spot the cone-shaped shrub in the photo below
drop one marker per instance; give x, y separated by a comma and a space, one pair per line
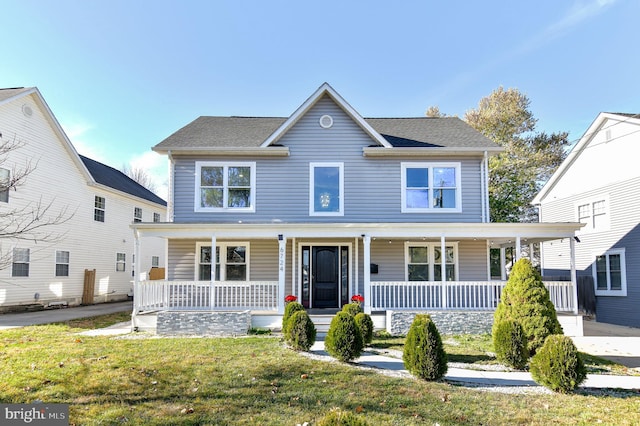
301, 331
352, 309
289, 309
365, 324
525, 299
510, 344
341, 418
424, 355
557, 365
343, 340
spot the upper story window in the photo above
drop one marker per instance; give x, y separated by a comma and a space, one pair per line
20, 262
137, 214
156, 217
424, 262
62, 263
594, 214
99, 208
233, 267
326, 189
121, 262
609, 273
5, 176
225, 186
431, 187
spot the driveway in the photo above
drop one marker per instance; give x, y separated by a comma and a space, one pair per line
613, 342
48, 316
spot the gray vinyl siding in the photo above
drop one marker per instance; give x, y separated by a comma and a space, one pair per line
372, 185
624, 232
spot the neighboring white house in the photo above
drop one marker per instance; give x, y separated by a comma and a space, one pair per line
95, 202
599, 185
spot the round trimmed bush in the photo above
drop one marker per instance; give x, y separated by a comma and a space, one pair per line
424, 355
343, 340
289, 309
510, 344
525, 299
365, 324
301, 331
341, 418
557, 365
352, 309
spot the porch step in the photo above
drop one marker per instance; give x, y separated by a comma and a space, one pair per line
322, 322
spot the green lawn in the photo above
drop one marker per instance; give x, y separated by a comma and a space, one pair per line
252, 380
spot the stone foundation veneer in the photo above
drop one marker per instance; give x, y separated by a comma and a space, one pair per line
447, 322
193, 323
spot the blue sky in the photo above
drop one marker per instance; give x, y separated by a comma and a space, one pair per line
120, 76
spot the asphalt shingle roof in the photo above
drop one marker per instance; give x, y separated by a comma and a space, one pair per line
115, 179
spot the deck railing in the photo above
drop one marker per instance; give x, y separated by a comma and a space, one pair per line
461, 295
198, 295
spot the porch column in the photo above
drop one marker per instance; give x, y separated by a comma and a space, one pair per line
443, 273
503, 264
518, 244
282, 251
366, 242
574, 280
212, 280
137, 293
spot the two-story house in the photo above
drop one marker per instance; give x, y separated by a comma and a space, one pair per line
325, 204
598, 185
64, 229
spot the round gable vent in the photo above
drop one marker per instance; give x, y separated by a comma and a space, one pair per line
27, 111
326, 121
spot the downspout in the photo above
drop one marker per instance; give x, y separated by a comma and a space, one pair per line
483, 198
170, 189
485, 193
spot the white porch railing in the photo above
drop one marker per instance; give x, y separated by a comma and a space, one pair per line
198, 295
461, 295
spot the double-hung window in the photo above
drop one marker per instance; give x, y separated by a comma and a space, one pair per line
62, 263
609, 273
5, 181
225, 186
20, 262
424, 261
99, 208
121, 262
594, 214
233, 265
431, 188
137, 214
326, 189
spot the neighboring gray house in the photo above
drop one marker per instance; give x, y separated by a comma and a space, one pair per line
325, 205
599, 185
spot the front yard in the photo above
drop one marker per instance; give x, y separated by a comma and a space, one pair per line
256, 380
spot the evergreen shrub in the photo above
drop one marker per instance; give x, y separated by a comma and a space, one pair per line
365, 324
510, 344
352, 309
301, 331
557, 365
343, 340
525, 299
289, 309
424, 355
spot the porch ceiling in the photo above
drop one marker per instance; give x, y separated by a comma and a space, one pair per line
499, 234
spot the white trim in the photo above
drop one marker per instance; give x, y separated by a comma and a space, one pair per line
606, 220
326, 121
623, 273
312, 194
431, 260
197, 207
223, 266
430, 166
444, 151
55, 261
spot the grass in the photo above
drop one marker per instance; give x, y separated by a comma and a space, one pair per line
252, 380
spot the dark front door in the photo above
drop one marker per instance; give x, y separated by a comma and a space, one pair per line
325, 276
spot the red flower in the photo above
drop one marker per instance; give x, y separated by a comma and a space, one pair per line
357, 298
290, 298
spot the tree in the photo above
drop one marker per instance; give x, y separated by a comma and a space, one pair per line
529, 157
31, 221
139, 175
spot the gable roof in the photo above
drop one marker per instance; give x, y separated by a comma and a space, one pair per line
9, 93
580, 146
115, 179
251, 133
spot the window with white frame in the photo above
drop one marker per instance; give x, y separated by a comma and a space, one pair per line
156, 217
99, 209
594, 214
137, 214
20, 262
431, 187
121, 262
232, 266
424, 262
326, 189
155, 261
5, 176
225, 186
62, 263
609, 273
